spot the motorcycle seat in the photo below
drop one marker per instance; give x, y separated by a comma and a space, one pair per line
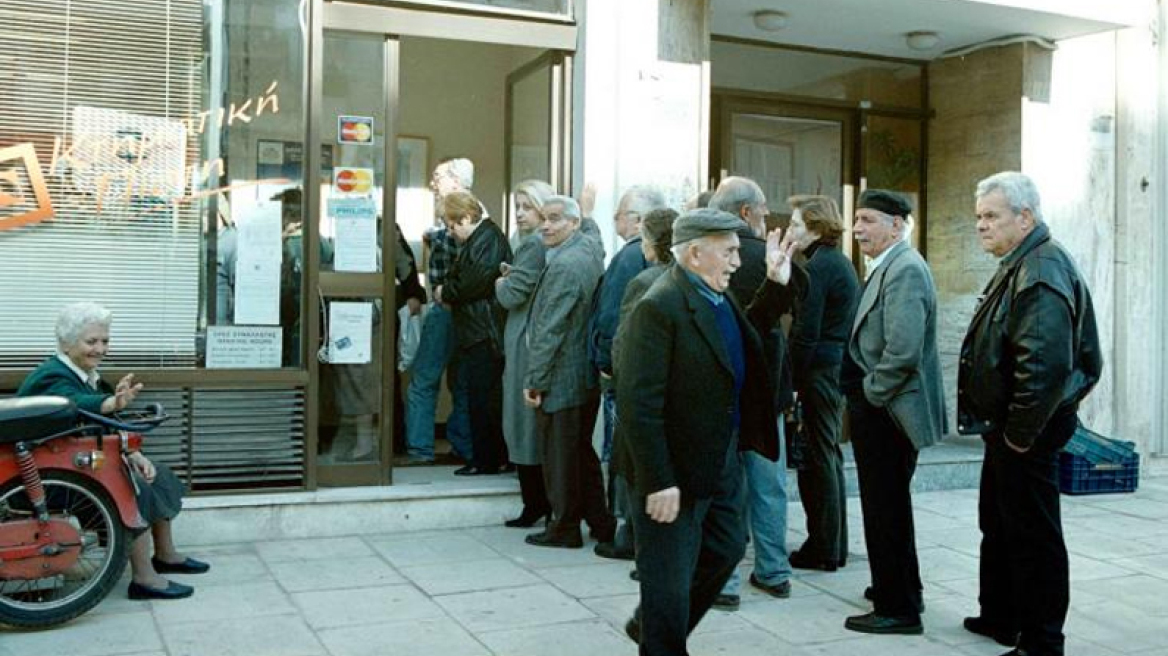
32, 417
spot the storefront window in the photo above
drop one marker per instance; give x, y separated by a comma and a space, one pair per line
558, 7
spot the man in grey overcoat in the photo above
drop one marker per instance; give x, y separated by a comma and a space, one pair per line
892, 377
559, 383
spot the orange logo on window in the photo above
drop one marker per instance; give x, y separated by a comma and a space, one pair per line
15, 208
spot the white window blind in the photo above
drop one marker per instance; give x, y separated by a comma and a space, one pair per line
104, 91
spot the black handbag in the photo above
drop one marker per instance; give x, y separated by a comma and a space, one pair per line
794, 439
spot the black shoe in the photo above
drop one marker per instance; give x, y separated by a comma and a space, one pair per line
610, 550
171, 591
526, 519
1017, 652
999, 634
800, 560
727, 602
188, 566
634, 574
633, 630
870, 596
471, 470
780, 590
560, 539
507, 468
605, 533
879, 624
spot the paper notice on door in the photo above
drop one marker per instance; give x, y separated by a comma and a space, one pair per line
355, 221
257, 265
350, 332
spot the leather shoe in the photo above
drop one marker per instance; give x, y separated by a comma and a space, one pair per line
633, 630
188, 566
727, 602
802, 560
879, 624
561, 539
870, 595
471, 470
781, 590
526, 519
171, 591
634, 574
1017, 652
999, 634
610, 550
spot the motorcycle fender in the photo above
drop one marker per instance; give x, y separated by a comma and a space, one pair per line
112, 475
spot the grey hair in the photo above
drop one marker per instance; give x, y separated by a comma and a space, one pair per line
907, 221
571, 207
461, 169
1020, 191
737, 192
679, 250
76, 317
644, 199
537, 191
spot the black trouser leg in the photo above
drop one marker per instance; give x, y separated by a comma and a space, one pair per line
484, 380
1026, 547
885, 463
594, 506
822, 487
533, 491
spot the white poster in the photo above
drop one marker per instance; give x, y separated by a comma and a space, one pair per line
257, 265
243, 347
355, 221
350, 332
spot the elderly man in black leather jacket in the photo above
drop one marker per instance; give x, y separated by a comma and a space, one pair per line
1030, 356
478, 324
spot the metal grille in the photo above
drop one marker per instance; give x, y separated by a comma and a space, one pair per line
101, 89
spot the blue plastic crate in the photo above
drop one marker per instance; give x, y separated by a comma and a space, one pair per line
1078, 475
1098, 449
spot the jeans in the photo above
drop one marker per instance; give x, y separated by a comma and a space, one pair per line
434, 351
765, 483
608, 406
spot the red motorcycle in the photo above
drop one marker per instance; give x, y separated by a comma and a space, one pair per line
67, 506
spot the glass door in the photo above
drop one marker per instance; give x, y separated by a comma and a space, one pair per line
537, 124
355, 336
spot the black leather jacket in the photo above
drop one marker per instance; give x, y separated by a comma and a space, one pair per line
470, 287
1032, 349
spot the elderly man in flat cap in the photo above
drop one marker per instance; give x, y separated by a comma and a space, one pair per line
694, 385
892, 378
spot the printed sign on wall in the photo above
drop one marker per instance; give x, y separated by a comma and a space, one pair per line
356, 130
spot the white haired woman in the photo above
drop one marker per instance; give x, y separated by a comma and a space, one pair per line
82, 342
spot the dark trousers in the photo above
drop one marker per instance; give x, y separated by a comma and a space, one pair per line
482, 368
885, 462
1024, 572
822, 486
571, 469
684, 564
533, 491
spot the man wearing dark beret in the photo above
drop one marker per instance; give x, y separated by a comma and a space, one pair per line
694, 395
892, 378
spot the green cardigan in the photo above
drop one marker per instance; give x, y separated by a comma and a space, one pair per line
55, 378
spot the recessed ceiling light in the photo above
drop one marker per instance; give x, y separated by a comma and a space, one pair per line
769, 20
922, 40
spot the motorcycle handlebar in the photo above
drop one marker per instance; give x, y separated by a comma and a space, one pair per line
141, 422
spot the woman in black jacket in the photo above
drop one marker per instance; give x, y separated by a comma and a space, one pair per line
823, 323
478, 323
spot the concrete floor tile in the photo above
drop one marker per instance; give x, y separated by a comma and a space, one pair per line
540, 557
892, 645
846, 584
966, 540
339, 548
283, 635
1154, 565
745, 642
437, 549
927, 520
225, 602
1090, 569
469, 576
229, 569
1118, 625
806, 620
1142, 592
602, 578
428, 637
943, 564
513, 608
88, 635
362, 572
589, 638
968, 588
1086, 540
393, 603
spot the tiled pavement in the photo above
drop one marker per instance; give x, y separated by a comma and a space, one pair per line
482, 591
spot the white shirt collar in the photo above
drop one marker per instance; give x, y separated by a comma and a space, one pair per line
88, 377
875, 262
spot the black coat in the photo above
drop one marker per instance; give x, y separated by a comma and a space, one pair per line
1032, 348
824, 317
675, 394
470, 287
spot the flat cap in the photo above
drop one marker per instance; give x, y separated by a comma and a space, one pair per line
699, 223
882, 200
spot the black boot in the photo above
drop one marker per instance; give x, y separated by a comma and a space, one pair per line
534, 494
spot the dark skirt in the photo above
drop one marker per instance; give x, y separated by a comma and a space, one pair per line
162, 499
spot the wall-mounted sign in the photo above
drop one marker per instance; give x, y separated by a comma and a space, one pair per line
355, 219
16, 207
243, 347
350, 181
355, 130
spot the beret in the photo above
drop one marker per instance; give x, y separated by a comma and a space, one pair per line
699, 223
882, 200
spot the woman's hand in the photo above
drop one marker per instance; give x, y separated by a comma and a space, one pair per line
779, 250
143, 466
124, 394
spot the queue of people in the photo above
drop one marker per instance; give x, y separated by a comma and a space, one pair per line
677, 344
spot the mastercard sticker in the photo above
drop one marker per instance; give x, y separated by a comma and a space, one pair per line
355, 130
353, 181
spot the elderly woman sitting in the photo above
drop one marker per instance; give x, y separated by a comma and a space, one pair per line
82, 340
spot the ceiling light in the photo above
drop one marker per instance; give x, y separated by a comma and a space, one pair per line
922, 40
770, 21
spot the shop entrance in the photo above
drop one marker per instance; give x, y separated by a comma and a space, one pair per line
398, 91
